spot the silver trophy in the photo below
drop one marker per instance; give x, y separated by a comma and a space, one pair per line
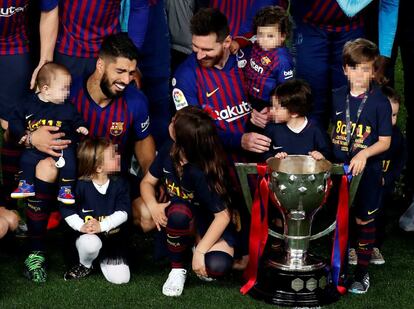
299, 185
288, 274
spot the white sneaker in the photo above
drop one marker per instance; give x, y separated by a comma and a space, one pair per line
174, 285
376, 257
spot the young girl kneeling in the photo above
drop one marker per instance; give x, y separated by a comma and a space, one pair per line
192, 170
102, 206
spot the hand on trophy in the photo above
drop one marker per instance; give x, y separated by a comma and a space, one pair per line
281, 155
358, 163
316, 155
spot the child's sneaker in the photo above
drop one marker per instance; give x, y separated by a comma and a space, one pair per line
174, 285
360, 285
34, 267
376, 257
77, 272
65, 195
206, 279
23, 190
352, 257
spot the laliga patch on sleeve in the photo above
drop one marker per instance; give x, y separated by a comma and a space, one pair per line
179, 99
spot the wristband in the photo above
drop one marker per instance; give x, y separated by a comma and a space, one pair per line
29, 139
23, 139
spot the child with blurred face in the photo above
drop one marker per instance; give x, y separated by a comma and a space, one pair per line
361, 118
269, 62
48, 107
99, 216
291, 132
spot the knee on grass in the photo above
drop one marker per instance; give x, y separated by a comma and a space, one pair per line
116, 274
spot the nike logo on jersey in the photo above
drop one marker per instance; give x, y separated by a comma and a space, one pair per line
255, 89
28, 116
277, 147
67, 180
86, 210
165, 171
209, 94
371, 212
338, 113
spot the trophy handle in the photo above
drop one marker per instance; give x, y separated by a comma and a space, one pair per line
338, 169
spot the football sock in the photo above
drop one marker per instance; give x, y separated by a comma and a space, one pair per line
179, 234
37, 213
365, 244
88, 246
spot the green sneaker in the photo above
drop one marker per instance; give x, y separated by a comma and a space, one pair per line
35, 269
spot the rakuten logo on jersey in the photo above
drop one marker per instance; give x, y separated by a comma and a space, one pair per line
7, 12
231, 113
256, 67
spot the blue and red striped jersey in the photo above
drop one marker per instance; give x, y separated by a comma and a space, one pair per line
84, 24
123, 117
236, 12
240, 13
221, 93
13, 26
326, 14
265, 70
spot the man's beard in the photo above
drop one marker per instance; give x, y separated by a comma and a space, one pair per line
106, 88
209, 62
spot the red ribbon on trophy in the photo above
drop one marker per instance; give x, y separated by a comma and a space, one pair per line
258, 228
340, 246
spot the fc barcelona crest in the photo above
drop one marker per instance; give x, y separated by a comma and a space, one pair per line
117, 128
265, 60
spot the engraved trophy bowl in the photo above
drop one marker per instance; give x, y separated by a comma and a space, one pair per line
299, 185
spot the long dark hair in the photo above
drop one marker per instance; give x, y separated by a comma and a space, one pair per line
196, 140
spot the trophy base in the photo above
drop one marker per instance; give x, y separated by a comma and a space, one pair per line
291, 288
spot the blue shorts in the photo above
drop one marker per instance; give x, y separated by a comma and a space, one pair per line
367, 202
